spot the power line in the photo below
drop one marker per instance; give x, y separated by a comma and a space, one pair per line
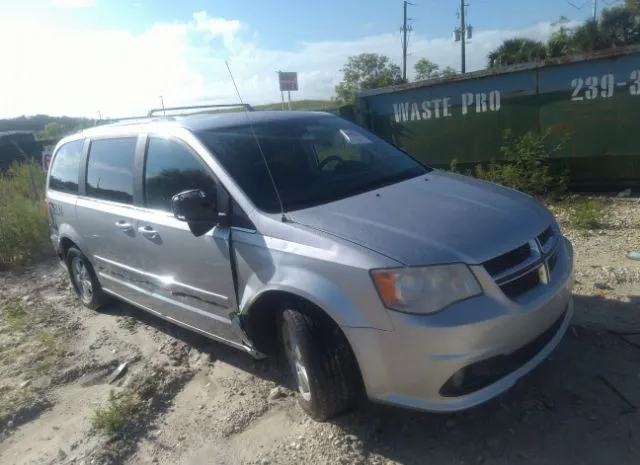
594, 6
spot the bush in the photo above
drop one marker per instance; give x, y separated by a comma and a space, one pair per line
585, 213
526, 165
24, 226
119, 409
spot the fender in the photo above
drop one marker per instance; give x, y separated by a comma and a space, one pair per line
65, 231
320, 291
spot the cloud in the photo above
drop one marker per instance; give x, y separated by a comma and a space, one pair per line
81, 71
72, 3
217, 27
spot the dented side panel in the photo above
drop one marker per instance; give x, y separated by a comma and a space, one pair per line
327, 271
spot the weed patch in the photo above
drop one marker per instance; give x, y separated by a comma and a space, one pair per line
29, 348
584, 213
14, 319
24, 229
119, 409
526, 165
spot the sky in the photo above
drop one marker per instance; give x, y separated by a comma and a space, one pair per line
78, 57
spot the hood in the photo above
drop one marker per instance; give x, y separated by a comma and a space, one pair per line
438, 217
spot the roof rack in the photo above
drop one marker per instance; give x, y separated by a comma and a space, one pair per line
199, 107
100, 122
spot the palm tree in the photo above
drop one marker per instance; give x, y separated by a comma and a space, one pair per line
518, 50
560, 43
619, 26
587, 37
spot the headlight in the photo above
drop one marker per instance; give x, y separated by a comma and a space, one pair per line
427, 289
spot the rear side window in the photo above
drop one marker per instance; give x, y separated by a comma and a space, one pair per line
110, 169
171, 168
66, 168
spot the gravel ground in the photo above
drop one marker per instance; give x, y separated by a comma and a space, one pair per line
199, 402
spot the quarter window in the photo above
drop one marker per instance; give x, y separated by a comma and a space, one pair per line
171, 168
66, 168
239, 218
110, 169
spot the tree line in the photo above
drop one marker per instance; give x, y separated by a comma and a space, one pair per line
617, 26
45, 127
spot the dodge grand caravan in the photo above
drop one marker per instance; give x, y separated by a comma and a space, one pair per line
302, 234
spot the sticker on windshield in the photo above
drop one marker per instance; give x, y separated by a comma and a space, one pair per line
354, 137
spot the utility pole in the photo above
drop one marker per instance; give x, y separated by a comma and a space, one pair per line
461, 34
463, 39
281, 92
405, 39
595, 9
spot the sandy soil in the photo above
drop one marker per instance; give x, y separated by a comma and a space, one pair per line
199, 402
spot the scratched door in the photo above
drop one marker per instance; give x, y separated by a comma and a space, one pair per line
190, 276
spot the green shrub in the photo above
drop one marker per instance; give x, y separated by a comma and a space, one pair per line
24, 226
526, 165
453, 167
585, 213
119, 409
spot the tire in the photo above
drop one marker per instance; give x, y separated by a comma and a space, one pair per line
321, 363
84, 280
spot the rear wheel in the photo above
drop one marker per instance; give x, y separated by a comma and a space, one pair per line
321, 364
84, 280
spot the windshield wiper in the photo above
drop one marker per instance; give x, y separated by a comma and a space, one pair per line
383, 182
359, 189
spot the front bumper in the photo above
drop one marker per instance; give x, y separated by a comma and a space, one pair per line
469, 353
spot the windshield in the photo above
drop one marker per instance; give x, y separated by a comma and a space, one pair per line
313, 161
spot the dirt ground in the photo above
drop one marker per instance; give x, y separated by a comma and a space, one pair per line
196, 402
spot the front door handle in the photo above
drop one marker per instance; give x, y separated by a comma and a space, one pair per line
148, 231
124, 225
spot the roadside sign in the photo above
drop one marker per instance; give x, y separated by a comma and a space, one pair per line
288, 81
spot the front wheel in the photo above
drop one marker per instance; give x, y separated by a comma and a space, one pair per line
84, 280
321, 363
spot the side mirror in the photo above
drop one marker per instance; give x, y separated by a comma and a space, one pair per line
197, 208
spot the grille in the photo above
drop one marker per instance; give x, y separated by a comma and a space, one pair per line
552, 262
524, 268
497, 265
546, 239
521, 285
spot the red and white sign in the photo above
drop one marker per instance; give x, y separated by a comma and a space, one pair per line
288, 81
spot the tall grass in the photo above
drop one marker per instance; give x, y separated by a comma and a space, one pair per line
24, 227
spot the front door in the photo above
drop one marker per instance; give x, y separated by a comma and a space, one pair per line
192, 276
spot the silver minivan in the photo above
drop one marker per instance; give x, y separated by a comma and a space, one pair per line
303, 234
